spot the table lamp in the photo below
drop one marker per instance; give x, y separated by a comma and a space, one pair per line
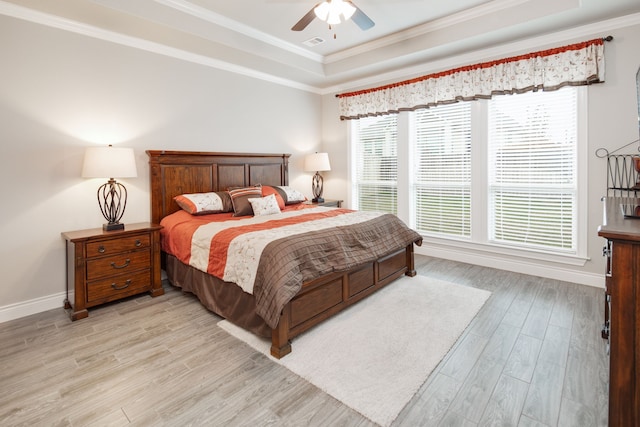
317, 162
110, 162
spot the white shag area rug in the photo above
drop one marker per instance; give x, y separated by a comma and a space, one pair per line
375, 355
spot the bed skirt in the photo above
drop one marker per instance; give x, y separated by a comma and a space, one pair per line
223, 298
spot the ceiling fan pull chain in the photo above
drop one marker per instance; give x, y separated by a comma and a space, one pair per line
334, 33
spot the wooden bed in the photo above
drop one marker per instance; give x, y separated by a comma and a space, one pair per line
178, 172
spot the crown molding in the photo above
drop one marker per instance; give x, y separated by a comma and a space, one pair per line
215, 18
26, 14
420, 30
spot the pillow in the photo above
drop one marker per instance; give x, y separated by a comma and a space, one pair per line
289, 195
265, 205
240, 199
205, 203
266, 190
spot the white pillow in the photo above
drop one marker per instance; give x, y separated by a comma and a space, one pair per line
265, 205
203, 203
291, 195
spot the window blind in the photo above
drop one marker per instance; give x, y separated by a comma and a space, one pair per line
532, 141
376, 164
442, 169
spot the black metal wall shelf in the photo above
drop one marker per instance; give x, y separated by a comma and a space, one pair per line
621, 173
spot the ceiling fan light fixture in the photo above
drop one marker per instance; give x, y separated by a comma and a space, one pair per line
330, 11
333, 12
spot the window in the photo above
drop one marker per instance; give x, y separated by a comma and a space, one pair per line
442, 166
376, 164
532, 169
500, 172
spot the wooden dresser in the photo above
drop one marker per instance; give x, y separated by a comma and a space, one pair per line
105, 266
622, 311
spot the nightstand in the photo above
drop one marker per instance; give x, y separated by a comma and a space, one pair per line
104, 266
326, 203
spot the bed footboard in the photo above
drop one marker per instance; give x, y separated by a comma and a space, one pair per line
328, 295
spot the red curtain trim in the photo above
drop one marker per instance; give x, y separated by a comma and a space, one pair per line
548, 52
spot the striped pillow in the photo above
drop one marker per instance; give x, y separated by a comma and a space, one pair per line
240, 199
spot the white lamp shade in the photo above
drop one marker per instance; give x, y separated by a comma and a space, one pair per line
317, 162
109, 162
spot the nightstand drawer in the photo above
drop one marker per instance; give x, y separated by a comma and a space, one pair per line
117, 287
118, 264
113, 246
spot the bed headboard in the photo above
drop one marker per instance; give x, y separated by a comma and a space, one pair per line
181, 172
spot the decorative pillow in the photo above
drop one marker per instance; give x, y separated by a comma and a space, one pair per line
265, 205
205, 203
266, 190
240, 199
289, 195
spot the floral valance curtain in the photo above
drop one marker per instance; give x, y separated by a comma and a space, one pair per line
576, 64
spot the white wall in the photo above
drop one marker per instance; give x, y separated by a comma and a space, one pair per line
61, 92
613, 122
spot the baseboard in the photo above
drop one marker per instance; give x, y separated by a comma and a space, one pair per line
525, 267
27, 308
38, 305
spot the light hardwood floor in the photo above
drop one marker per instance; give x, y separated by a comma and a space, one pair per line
532, 357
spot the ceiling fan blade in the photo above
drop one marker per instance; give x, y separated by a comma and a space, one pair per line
306, 20
360, 18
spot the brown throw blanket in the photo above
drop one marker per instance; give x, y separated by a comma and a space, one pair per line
287, 263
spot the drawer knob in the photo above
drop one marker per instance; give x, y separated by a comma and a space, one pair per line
126, 263
119, 288
101, 249
138, 243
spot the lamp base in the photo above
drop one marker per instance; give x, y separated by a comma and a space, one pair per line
113, 226
316, 187
112, 198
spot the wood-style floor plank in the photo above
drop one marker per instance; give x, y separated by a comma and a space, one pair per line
505, 406
545, 393
532, 357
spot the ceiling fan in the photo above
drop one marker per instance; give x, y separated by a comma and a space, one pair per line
334, 12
